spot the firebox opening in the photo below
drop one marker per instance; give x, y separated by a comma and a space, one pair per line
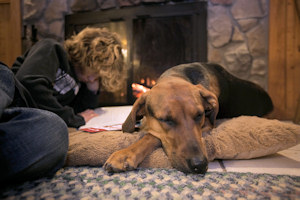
154, 38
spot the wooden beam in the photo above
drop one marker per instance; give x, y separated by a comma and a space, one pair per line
15, 30
277, 60
292, 58
10, 31
284, 58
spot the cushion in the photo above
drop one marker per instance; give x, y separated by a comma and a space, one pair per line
243, 137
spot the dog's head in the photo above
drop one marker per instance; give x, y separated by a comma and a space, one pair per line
177, 112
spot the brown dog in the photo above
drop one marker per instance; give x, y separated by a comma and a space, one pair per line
183, 105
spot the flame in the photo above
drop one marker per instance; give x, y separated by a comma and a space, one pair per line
153, 82
138, 89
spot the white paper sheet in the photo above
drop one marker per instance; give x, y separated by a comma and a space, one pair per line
110, 118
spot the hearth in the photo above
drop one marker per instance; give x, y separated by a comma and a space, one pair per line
155, 38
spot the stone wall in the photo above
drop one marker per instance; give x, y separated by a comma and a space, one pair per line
237, 29
238, 37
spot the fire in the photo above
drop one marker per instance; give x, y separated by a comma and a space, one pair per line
138, 89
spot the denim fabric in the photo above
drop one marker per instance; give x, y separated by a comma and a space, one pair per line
7, 87
33, 142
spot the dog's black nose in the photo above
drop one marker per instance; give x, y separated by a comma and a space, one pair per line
198, 165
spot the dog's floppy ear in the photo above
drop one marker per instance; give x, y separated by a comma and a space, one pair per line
137, 112
211, 104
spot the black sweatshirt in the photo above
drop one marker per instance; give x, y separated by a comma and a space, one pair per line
45, 72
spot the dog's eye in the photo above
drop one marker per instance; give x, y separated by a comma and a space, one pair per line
208, 111
167, 121
198, 117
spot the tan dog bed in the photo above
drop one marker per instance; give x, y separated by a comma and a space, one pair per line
243, 137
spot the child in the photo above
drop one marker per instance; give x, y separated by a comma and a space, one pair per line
65, 79
52, 87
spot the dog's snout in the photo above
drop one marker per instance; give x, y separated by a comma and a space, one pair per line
198, 165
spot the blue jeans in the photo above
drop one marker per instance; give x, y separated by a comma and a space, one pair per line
33, 142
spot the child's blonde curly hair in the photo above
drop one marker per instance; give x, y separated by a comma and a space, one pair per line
99, 50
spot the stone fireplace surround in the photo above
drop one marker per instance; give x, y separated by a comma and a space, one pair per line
237, 29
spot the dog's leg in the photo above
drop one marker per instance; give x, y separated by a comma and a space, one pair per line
129, 158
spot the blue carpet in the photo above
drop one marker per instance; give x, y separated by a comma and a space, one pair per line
95, 183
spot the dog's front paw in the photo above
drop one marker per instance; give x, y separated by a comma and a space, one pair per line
120, 161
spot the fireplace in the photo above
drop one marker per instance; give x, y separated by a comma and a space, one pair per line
154, 38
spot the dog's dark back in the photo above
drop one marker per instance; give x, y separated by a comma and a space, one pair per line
237, 97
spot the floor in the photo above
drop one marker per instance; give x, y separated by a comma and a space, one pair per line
285, 162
